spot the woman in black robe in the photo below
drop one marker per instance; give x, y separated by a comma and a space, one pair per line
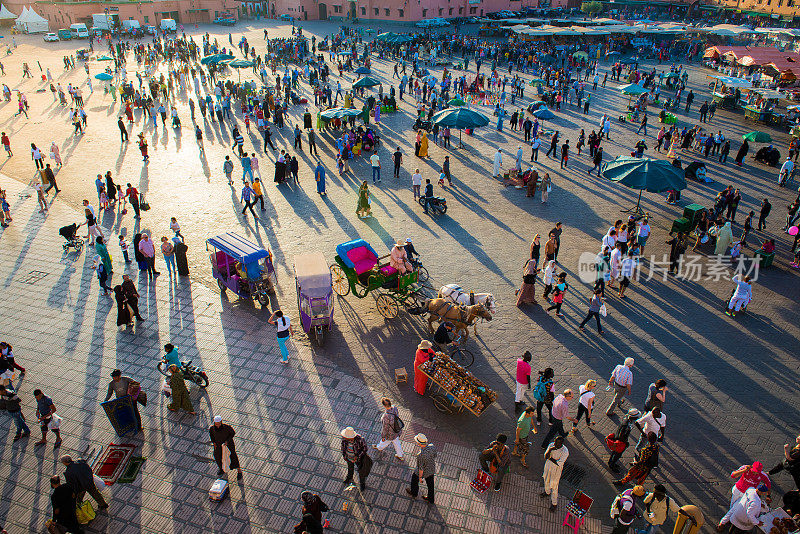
111, 188
140, 259
743, 150
280, 171
123, 314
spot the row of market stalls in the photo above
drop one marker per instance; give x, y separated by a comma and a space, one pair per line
768, 64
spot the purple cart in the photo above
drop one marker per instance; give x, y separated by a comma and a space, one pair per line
243, 267
314, 294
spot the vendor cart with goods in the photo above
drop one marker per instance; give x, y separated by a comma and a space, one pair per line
456, 388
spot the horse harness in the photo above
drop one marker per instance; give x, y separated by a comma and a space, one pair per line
449, 306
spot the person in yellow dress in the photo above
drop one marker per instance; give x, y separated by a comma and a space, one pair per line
423, 146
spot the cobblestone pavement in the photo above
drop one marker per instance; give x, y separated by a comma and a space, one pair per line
730, 380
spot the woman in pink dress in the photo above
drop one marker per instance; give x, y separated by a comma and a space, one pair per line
55, 155
424, 353
399, 259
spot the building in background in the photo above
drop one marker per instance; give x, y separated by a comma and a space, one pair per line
771, 11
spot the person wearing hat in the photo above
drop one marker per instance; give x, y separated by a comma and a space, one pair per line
354, 452
80, 478
743, 515
425, 468
425, 352
222, 434
621, 380
618, 441
119, 387
398, 258
554, 457
750, 476
410, 250
624, 509
657, 505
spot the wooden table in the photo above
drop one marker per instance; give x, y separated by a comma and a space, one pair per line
457, 403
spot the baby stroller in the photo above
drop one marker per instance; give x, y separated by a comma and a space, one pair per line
70, 233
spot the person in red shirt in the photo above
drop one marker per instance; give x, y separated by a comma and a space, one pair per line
750, 476
6, 143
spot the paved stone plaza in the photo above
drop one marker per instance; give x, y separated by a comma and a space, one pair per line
731, 383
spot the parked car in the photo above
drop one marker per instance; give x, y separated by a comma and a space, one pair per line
50, 37
432, 23
286, 16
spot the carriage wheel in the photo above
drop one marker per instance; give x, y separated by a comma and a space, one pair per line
387, 306
340, 282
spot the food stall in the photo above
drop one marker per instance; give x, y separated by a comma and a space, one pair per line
761, 106
727, 89
457, 386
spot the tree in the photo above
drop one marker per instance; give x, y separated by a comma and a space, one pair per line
591, 8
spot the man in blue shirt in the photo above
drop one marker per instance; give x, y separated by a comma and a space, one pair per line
246, 167
171, 355
247, 195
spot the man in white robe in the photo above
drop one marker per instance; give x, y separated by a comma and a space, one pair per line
554, 458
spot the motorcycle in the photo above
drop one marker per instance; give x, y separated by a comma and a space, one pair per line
191, 372
436, 205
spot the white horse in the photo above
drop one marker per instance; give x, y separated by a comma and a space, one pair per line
456, 294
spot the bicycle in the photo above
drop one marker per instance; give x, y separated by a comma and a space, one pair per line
423, 275
458, 354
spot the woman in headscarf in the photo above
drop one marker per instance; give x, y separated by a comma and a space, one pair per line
399, 259
378, 113
180, 395
102, 251
418, 142
724, 239
55, 154
423, 145
111, 188
527, 293
424, 353
544, 187
743, 150
362, 208
312, 513
141, 262
123, 314
533, 182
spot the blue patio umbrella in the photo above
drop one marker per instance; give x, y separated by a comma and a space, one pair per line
338, 113
104, 76
362, 70
105, 58
544, 113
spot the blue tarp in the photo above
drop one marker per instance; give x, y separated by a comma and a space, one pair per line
239, 248
344, 248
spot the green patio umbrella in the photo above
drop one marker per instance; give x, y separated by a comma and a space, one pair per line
104, 76
456, 102
632, 89
105, 58
581, 53
366, 81
338, 113
385, 36
536, 81
757, 137
653, 175
240, 64
460, 117
213, 59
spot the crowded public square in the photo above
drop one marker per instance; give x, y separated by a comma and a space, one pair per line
317, 276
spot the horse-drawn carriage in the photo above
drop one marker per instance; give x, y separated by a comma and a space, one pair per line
358, 269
